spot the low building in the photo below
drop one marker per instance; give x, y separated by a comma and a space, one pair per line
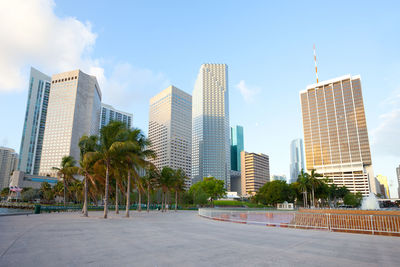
21, 179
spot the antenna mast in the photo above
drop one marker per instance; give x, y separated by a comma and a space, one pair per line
315, 60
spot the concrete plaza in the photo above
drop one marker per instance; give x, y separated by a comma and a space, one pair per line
180, 239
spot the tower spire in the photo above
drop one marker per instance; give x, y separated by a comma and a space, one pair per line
315, 61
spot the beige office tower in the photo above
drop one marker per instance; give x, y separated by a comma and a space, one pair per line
8, 164
170, 130
73, 111
254, 172
335, 133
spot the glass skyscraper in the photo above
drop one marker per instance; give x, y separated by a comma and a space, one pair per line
296, 159
237, 146
109, 113
335, 133
34, 123
210, 120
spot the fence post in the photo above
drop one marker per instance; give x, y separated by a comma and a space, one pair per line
372, 223
294, 220
329, 222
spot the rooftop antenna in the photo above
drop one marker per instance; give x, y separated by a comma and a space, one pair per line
315, 60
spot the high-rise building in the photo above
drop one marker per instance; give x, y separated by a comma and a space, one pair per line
255, 172
73, 111
109, 113
296, 159
383, 181
35, 121
210, 133
335, 133
398, 181
237, 146
8, 163
170, 129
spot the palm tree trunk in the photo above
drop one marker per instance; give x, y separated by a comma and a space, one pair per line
163, 201
128, 195
106, 192
148, 198
85, 201
65, 185
176, 199
140, 200
313, 197
116, 198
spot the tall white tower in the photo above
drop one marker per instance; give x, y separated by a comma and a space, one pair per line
73, 111
296, 159
34, 123
170, 129
210, 134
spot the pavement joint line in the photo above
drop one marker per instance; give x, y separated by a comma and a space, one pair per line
15, 240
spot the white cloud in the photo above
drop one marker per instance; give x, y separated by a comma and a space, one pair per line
386, 137
31, 34
129, 85
247, 92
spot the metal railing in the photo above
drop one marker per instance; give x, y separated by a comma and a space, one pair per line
357, 223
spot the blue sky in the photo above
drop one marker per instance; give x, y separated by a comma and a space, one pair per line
138, 48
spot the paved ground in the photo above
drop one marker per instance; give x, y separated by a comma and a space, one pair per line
180, 239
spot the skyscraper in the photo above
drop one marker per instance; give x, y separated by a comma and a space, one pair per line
210, 134
383, 181
8, 163
170, 129
237, 146
109, 113
296, 159
335, 133
73, 111
35, 121
255, 172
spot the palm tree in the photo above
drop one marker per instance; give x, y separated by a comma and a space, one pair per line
66, 171
150, 181
178, 184
87, 144
166, 181
314, 182
112, 138
136, 158
303, 185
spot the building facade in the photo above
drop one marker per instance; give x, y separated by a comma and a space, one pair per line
398, 181
335, 133
237, 146
254, 173
296, 159
35, 121
384, 189
210, 118
73, 111
8, 163
109, 113
170, 130
23, 180
278, 177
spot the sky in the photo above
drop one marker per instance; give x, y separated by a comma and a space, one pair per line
137, 48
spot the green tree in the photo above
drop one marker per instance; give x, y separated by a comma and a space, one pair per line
353, 200
166, 183
178, 184
112, 146
30, 194
151, 181
303, 184
66, 171
275, 192
87, 144
5, 192
210, 188
315, 182
46, 191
